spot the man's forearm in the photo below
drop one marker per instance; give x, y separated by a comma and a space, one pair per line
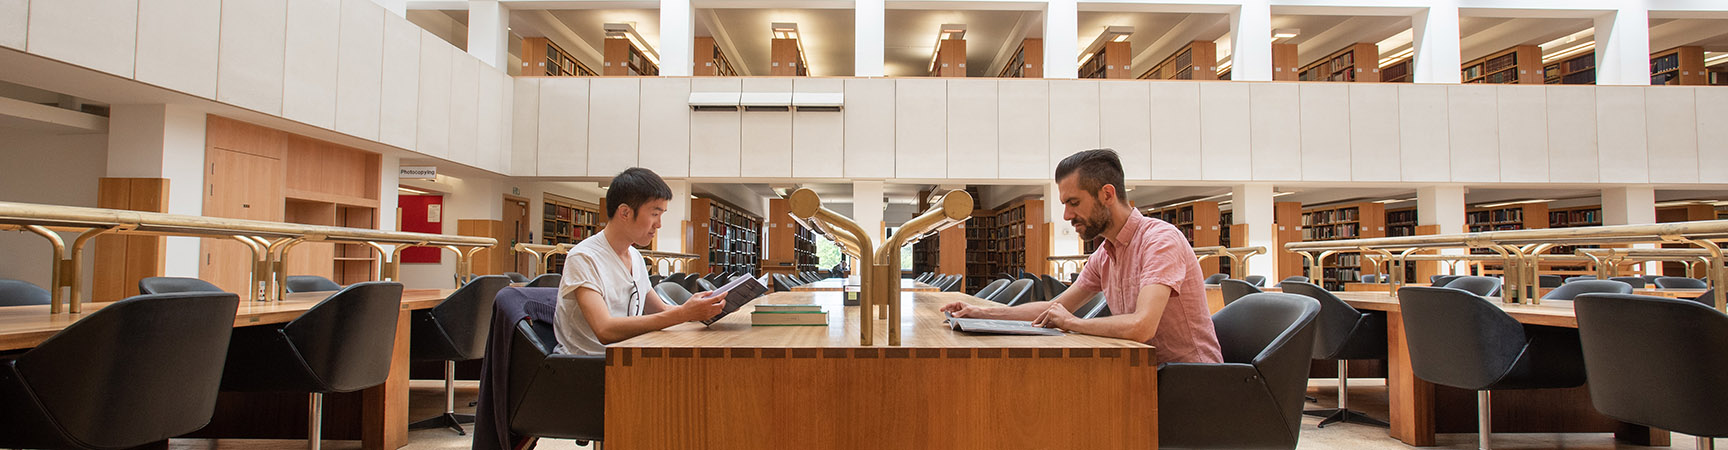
620, 328
1121, 327
1024, 311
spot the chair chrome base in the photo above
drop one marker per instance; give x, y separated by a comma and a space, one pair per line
447, 420
1337, 415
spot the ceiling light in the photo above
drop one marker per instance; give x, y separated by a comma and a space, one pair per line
784, 30
1567, 53
1281, 194
1685, 203
627, 32
1397, 56
1518, 202
1114, 33
1716, 59
410, 190
1285, 33
1394, 200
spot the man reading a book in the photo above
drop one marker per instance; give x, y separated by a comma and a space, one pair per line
604, 295
1145, 268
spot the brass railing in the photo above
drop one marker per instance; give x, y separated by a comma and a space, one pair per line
270, 242
1522, 250
1238, 257
676, 262
953, 208
806, 208
542, 254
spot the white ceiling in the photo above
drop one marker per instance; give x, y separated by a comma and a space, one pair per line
910, 38
826, 35
1323, 35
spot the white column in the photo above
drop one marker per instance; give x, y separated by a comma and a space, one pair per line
1251, 42
1064, 241
1061, 39
389, 177
163, 141
867, 208
868, 38
1623, 47
677, 38
671, 237
1631, 206
1251, 204
1437, 55
489, 32
1442, 206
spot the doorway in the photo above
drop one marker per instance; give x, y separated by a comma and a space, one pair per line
515, 231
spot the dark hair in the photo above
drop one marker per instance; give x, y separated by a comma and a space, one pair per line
633, 187
1096, 167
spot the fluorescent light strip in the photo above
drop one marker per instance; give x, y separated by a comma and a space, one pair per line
1519, 202
1567, 53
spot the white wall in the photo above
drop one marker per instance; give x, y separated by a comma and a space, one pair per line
464, 198
49, 169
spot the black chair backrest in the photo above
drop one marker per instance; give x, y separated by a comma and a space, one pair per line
545, 280
1458, 339
1369, 278
466, 315
1296, 278
1027, 275
990, 289
1656, 361
1580, 278
1256, 280
171, 285
311, 283
1550, 281
138, 371
1273, 332
672, 292
1215, 278
675, 278
705, 284
1476, 285
1569, 290
922, 277
1650, 279
1708, 299
1442, 280
1337, 323
22, 293
954, 284
516, 277
1681, 283
1052, 286
1236, 289
346, 340
1015, 293
1094, 307
692, 283
1636, 282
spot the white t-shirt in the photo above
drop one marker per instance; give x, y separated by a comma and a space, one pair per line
592, 265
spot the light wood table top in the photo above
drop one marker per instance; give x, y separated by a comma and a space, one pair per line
24, 327
921, 326
1556, 313
838, 284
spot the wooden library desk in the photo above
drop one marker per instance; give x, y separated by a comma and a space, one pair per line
1420, 409
382, 410
734, 386
838, 284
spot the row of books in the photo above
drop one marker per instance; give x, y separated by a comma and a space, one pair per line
1345, 231
1577, 218
1340, 62
1324, 217
1515, 214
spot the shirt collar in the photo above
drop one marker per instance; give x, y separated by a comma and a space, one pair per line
1130, 229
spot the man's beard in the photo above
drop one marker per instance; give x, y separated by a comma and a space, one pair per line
1091, 227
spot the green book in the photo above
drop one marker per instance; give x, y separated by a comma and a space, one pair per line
789, 308
788, 318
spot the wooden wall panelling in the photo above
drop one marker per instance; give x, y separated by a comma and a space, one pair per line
950, 59
483, 259
237, 186
785, 58
122, 260
311, 258
1284, 62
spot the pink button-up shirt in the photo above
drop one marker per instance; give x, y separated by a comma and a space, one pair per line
1155, 252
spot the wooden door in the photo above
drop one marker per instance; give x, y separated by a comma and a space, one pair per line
237, 186
515, 230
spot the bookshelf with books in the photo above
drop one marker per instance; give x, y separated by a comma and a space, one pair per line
1584, 216
1684, 213
950, 60
728, 236
1348, 221
1342, 65
944, 253
711, 61
623, 59
1517, 65
1010, 239
1678, 66
567, 221
1111, 61
1199, 222
982, 262
1196, 61
791, 248
1027, 62
1400, 71
542, 58
1224, 222
1403, 222
1579, 69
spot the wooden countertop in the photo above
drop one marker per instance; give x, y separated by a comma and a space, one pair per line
837, 284
921, 327
1556, 313
24, 327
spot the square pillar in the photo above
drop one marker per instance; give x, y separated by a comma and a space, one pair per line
1437, 55
163, 141
1061, 39
1252, 205
489, 32
1440, 210
867, 206
869, 28
1631, 206
1623, 48
677, 38
1064, 241
1251, 44
677, 216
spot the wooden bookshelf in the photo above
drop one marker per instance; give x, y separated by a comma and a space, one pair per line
567, 221
1400, 71
1722, 213
1285, 65
1111, 61
1678, 66
1196, 61
944, 253
623, 59
1349, 221
1579, 69
1225, 220
1520, 64
1403, 222
785, 59
1718, 78
1357, 62
1027, 62
1008, 239
730, 237
950, 60
791, 248
983, 250
711, 61
542, 58
1199, 222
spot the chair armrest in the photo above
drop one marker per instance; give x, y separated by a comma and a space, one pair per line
566, 399
1218, 406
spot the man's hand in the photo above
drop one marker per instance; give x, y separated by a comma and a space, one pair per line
962, 309
1056, 316
701, 306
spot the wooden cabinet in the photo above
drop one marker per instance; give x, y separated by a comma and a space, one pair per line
1111, 61
1196, 61
711, 61
791, 248
1357, 62
950, 60
1678, 66
1517, 65
786, 59
1027, 62
123, 260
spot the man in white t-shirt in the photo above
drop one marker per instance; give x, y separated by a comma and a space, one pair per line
604, 295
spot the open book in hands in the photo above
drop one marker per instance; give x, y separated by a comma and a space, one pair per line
740, 291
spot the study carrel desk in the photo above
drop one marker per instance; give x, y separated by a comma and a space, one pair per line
734, 386
381, 411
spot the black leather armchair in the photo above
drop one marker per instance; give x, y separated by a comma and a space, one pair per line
1256, 280
311, 283
1680, 283
1570, 290
1235, 289
1253, 400
546, 280
1476, 285
554, 395
1215, 278
1020, 291
172, 285
455, 330
1343, 333
22, 293
136, 372
1657, 362
990, 289
672, 292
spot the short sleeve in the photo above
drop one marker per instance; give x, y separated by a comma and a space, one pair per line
580, 271
1161, 262
1092, 276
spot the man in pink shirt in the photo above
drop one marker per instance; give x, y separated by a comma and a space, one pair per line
1146, 269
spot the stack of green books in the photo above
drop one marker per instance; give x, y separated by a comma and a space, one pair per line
788, 315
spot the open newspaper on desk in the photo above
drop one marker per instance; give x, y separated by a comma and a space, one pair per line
738, 292
996, 326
